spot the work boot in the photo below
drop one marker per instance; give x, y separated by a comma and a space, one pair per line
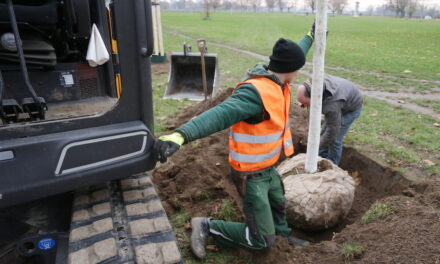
294, 241
199, 236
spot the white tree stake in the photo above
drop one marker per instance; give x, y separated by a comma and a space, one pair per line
155, 28
317, 85
159, 27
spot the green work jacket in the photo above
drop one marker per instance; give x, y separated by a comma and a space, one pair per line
244, 104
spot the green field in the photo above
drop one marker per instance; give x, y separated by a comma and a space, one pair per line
383, 45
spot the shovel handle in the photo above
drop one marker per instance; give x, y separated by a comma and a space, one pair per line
201, 43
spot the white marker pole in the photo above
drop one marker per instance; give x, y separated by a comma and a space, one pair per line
317, 85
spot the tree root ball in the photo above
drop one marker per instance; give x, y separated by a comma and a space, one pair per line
318, 201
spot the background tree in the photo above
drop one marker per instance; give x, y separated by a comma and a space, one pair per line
412, 7
337, 6
270, 4
370, 10
243, 4
311, 4
291, 4
164, 5
255, 4
207, 6
398, 6
280, 5
227, 5
216, 4
433, 10
182, 4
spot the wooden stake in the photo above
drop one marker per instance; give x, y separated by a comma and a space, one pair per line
317, 86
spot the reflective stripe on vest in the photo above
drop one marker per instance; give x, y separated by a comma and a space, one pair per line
255, 139
260, 139
254, 158
288, 143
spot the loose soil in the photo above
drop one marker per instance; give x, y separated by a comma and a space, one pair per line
196, 181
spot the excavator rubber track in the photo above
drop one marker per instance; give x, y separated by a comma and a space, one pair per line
121, 222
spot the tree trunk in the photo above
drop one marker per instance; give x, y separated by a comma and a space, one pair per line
317, 86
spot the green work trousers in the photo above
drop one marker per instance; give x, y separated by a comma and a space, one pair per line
264, 209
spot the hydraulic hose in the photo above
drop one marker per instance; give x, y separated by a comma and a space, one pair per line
20, 53
2, 87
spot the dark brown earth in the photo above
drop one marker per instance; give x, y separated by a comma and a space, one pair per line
410, 235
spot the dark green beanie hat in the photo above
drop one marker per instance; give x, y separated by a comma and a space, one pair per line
286, 57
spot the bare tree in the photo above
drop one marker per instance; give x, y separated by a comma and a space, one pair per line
433, 10
255, 4
227, 4
291, 4
243, 4
190, 4
207, 6
398, 6
178, 4
270, 4
280, 5
370, 10
412, 7
216, 4
337, 6
311, 4
164, 5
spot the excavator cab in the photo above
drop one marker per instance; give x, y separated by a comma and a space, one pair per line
76, 134
65, 124
44, 74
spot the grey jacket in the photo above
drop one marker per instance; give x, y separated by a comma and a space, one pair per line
340, 97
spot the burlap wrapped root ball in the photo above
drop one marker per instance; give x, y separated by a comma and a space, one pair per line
316, 201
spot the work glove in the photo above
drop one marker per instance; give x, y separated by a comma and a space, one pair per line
311, 33
167, 145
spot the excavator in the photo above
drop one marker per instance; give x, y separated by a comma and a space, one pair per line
76, 135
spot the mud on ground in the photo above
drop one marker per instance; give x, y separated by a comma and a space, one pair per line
197, 181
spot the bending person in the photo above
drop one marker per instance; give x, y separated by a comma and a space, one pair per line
341, 105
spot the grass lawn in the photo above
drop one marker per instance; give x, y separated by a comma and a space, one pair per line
402, 47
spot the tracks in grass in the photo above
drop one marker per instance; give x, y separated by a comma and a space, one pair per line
401, 99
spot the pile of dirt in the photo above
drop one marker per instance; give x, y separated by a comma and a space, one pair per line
196, 176
193, 111
410, 235
196, 180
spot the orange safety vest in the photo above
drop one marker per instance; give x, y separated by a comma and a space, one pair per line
255, 147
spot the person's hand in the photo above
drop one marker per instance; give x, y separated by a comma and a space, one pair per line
166, 146
311, 33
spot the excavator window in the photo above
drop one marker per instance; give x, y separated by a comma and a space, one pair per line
44, 71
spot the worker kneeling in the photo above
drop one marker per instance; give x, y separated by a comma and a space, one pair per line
257, 114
